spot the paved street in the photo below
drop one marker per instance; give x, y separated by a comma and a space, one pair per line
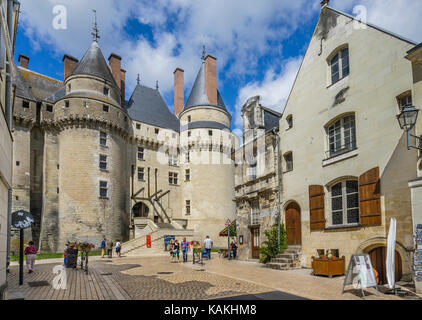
155, 278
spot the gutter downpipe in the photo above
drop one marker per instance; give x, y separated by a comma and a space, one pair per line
279, 184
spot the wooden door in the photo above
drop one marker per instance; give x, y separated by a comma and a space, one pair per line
378, 257
293, 224
255, 243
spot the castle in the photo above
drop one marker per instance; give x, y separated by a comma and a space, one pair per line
88, 163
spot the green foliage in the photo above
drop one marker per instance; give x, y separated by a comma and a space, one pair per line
270, 248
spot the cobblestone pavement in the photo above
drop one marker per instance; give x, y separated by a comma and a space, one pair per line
156, 278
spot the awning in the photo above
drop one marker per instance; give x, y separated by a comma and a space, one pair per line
233, 233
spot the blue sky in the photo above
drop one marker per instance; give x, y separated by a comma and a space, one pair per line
259, 44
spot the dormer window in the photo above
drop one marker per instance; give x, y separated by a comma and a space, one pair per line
106, 91
339, 65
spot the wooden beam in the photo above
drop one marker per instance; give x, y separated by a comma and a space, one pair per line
158, 198
138, 192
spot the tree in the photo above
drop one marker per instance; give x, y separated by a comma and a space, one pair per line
270, 247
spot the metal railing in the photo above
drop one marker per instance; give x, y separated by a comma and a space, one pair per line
345, 148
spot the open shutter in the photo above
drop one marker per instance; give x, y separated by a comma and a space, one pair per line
316, 207
370, 198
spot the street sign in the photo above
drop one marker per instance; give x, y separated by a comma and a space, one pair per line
22, 219
228, 222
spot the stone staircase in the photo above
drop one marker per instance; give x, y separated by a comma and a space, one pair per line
287, 260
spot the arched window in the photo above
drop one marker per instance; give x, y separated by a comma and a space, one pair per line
339, 65
341, 136
344, 197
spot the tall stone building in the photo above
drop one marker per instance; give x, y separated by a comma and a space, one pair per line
9, 16
89, 163
346, 166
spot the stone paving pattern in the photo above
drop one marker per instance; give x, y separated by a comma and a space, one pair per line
156, 278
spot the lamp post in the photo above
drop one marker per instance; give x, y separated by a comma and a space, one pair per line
407, 120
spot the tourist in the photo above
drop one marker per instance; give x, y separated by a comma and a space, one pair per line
103, 246
31, 254
110, 248
208, 246
185, 249
233, 250
118, 248
176, 250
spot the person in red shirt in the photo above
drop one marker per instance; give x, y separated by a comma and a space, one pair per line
31, 254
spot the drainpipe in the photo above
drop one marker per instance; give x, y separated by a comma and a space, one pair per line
279, 184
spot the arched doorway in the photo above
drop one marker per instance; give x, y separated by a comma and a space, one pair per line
378, 257
140, 210
293, 224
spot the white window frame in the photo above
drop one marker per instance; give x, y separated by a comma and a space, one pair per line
341, 65
345, 208
255, 213
343, 133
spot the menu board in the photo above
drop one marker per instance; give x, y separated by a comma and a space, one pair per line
418, 254
360, 273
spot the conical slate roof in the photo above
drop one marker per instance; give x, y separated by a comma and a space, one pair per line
198, 95
93, 63
146, 105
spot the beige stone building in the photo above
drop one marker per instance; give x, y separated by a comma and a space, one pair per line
349, 165
9, 15
256, 187
88, 163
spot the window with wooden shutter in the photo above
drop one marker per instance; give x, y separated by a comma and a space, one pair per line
370, 198
316, 207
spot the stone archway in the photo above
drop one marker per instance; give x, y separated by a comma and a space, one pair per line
140, 210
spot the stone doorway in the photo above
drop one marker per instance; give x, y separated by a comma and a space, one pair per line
378, 257
140, 210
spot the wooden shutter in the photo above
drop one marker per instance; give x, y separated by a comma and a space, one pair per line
370, 198
316, 207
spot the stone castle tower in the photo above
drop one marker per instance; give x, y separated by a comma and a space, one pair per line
89, 163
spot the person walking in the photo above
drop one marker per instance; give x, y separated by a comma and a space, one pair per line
118, 248
208, 246
185, 249
110, 249
176, 251
233, 250
31, 255
103, 247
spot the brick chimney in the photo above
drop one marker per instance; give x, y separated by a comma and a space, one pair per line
69, 65
115, 62
23, 61
211, 78
179, 91
123, 85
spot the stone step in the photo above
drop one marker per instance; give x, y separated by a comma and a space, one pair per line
279, 266
287, 256
282, 260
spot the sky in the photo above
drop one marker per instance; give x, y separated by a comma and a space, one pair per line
259, 44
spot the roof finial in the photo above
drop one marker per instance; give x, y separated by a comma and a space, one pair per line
156, 85
138, 80
203, 52
95, 33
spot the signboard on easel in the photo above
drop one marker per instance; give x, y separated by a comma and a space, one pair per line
360, 273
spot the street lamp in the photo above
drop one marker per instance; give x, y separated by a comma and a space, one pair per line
407, 120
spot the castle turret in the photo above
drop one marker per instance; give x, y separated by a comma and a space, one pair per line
94, 129
207, 142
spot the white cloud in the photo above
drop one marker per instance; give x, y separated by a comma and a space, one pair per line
274, 89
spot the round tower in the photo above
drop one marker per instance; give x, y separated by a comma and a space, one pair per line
208, 169
92, 154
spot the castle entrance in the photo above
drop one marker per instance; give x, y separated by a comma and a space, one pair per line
140, 210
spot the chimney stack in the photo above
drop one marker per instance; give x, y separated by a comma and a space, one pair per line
211, 78
115, 62
123, 86
325, 3
179, 91
23, 61
69, 65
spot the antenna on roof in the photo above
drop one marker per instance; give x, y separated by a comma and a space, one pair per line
203, 53
156, 85
138, 79
95, 33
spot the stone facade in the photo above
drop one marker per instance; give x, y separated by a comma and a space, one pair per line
9, 15
342, 128
91, 164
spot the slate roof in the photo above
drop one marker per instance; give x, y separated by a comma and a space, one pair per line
22, 88
59, 94
93, 63
198, 95
146, 105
